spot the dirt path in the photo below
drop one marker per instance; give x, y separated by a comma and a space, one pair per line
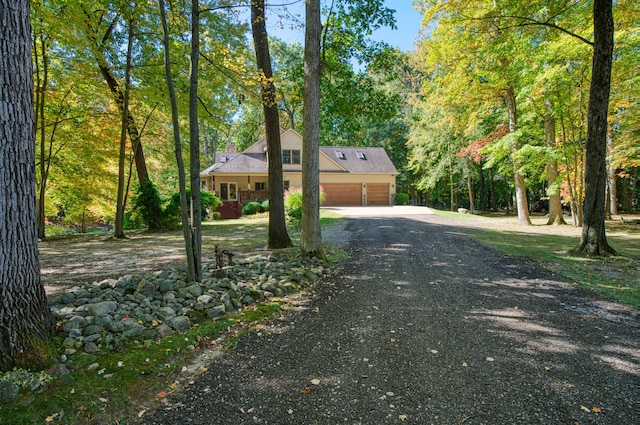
424, 326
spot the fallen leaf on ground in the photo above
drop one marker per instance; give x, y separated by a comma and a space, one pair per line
464, 364
306, 390
585, 409
142, 412
315, 381
161, 394
491, 359
434, 351
596, 410
402, 417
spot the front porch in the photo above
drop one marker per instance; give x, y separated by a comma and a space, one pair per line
233, 208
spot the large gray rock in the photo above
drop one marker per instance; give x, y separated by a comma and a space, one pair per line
101, 308
164, 330
194, 290
180, 323
9, 392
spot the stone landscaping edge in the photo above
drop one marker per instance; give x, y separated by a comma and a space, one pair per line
105, 315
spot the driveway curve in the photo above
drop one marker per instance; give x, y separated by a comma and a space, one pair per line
425, 326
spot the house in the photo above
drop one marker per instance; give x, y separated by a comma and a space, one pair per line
348, 175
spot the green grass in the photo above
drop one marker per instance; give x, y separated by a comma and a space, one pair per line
126, 382
616, 278
453, 214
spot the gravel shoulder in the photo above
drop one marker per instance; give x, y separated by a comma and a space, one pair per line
424, 326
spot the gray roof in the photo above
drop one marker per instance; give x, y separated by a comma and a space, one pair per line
360, 160
352, 160
236, 162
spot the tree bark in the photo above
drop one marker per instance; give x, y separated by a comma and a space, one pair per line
613, 178
41, 90
470, 190
311, 235
120, 203
194, 143
278, 236
182, 180
555, 204
521, 189
594, 240
26, 323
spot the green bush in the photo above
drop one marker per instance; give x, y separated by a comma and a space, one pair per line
402, 198
171, 213
251, 208
144, 205
264, 206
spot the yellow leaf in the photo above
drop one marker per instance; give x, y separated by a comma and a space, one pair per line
402, 417
50, 418
585, 409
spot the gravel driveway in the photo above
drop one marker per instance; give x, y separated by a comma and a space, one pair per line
424, 326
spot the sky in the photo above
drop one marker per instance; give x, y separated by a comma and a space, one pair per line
408, 22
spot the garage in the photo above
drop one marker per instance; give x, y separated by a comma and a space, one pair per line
342, 194
378, 194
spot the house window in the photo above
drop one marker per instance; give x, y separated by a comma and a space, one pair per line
286, 185
339, 154
228, 191
361, 155
261, 186
291, 156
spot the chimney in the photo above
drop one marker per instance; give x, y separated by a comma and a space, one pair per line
231, 147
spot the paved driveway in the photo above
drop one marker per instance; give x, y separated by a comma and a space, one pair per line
381, 211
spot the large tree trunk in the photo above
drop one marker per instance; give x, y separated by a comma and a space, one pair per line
311, 235
555, 204
594, 240
182, 181
278, 236
194, 143
521, 190
26, 323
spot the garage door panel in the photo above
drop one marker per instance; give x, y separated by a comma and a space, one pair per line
377, 194
342, 194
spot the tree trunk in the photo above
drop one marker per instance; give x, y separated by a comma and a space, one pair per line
182, 181
613, 177
26, 323
120, 205
41, 90
481, 188
594, 240
470, 189
452, 206
311, 235
555, 204
521, 189
492, 193
278, 236
194, 143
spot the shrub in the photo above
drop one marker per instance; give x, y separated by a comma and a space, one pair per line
145, 202
171, 213
264, 206
251, 208
402, 198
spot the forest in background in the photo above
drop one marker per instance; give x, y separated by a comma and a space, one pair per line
495, 89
